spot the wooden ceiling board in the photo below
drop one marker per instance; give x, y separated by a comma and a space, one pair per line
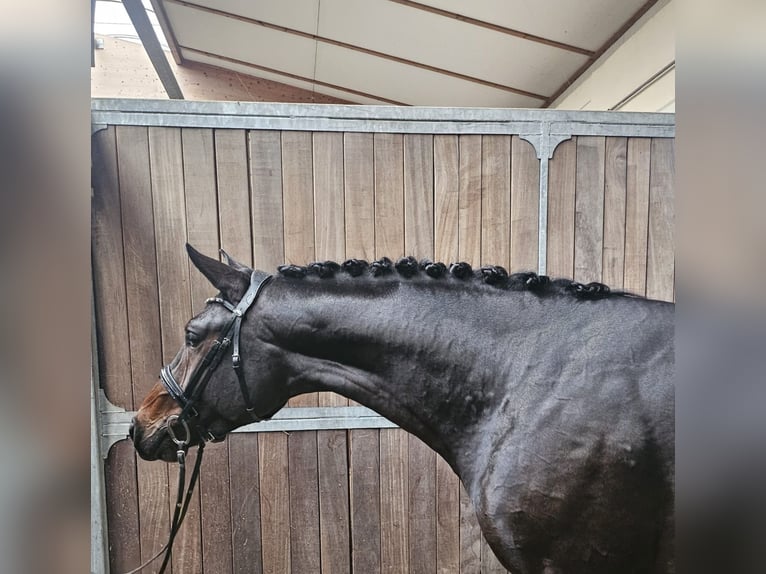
296, 14
406, 84
583, 23
242, 41
448, 44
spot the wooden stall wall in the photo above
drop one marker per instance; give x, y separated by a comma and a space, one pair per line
365, 501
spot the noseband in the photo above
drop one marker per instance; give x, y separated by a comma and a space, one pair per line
187, 398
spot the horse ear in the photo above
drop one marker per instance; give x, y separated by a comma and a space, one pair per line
231, 262
231, 282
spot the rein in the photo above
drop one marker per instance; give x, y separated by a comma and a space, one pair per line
188, 397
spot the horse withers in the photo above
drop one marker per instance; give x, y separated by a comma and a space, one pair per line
553, 401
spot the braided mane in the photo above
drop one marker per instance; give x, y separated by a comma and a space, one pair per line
494, 275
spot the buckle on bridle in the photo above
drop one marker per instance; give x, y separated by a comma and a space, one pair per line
179, 443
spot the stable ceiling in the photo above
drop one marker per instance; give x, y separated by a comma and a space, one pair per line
495, 53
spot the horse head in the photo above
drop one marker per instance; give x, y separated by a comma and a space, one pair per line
201, 394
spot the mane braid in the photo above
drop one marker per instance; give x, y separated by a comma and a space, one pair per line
493, 275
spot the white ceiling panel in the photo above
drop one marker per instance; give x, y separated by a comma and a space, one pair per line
582, 23
242, 41
296, 14
385, 26
406, 84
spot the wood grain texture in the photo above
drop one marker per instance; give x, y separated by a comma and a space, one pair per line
245, 503
123, 526
637, 214
615, 185
419, 195
265, 160
234, 212
109, 272
422, 507
394, 501
143, 312
589, 209
359, 184
275, 503
330, 215
496, 200
334, 512
446, 198
389, 195
304, 501
364, 491
470, 192
525, 205
233, 193
298, 207
446, 249
170, 230
562, 177
202, 220
660, 269
470, 536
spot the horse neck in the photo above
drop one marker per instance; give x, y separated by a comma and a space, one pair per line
406, 349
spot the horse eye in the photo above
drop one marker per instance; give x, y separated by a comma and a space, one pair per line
191, 339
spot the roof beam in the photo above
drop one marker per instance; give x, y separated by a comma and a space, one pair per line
143, 26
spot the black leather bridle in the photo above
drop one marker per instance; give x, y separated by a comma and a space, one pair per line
188, 397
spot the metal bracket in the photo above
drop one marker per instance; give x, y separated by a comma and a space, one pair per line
97, 127
545, 144
115, 421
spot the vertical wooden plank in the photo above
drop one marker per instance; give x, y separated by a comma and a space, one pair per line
446, 198
389, 195
364, 455
422, 507
614, 211
275, 503
168, 197
298, 206
200, 177
143, 313
394, 507
359, 183
231, 159
332, 446
525, 205
469, 224
329, 212
333, 501
113, 355
446, 245
265, 161
470, 536
562, 176
496, 200
389, 241
245, 503
419, 195
304, 501
419, 241
637, 214
660, 270
363, 444
589, 208
496, 238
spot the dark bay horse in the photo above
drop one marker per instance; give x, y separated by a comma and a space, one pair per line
553, 401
